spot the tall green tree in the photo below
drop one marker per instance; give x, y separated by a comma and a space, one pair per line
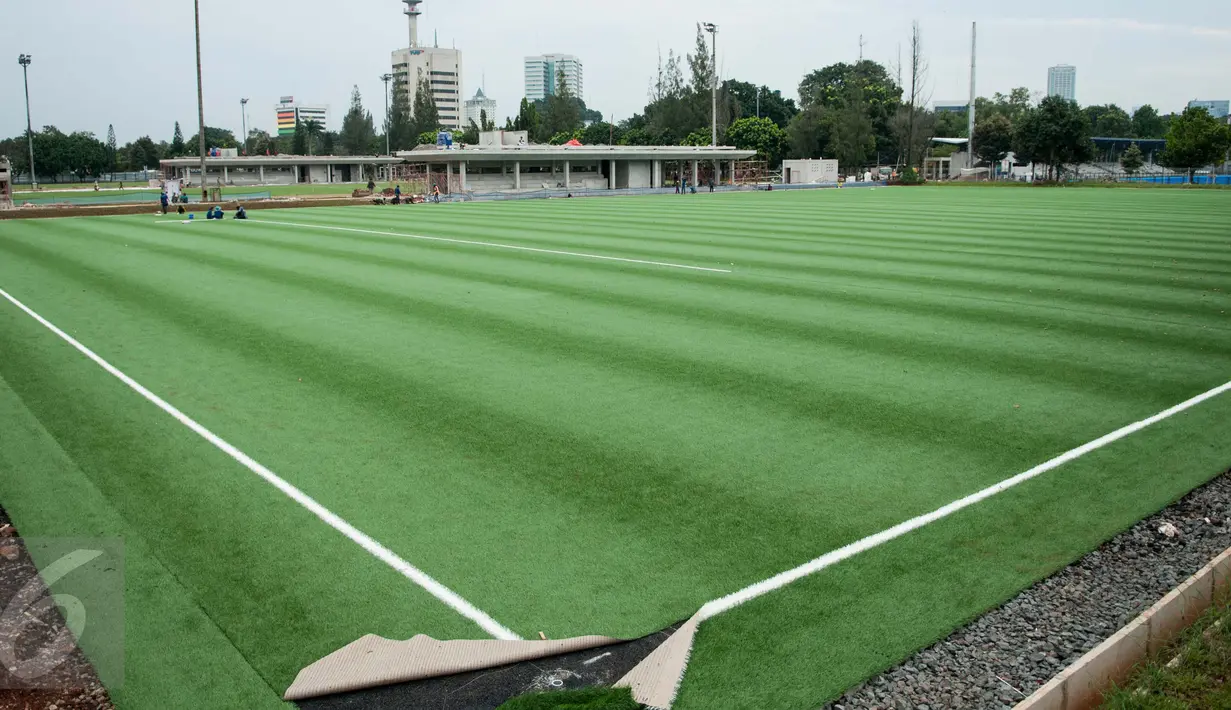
601, 133
1132, 160
358, 132
261, 142
949, 124
744, 97
1147, 123
426, 116
485, 123
852, 136
400, 124
311, 129
141, 154
214, 138
1054, 134
830, 88
562, 115
807, 134
299, 142
469, 135
1109, 121
177, 141
993, 139
759, 134
1195, 139
111, 148
528, 120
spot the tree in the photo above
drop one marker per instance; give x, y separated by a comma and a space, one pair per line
601, 133
759, 134
528, 120
214, 138
426, 138
85, 155
1132, 160
807, 135
914, 130
701, 66
697, 138
311, 129
399, 124
744, 98
261, 142
358, 132
1055, 134
142, 153
426, 116
1195, 139
1109, 121
562, 114
470, 134
851, 137
829, 88
993, 139
177, 141
111, 148
918, 73
299, 143
1147, 123
485, 124
950, 124
330, 140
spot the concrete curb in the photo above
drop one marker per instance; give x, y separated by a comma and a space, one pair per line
1081, 685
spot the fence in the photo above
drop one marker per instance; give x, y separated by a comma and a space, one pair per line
1158, 178
137, 177
130, 198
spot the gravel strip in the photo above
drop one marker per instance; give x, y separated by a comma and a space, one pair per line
1008, 653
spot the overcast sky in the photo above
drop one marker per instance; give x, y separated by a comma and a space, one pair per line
130, 62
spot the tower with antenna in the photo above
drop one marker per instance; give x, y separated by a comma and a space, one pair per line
412, 13
440, 68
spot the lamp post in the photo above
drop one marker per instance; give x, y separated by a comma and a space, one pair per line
196, 18
385, 78
243, 110
713, 30
24, 61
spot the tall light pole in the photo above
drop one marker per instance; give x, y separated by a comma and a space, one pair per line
196, 18
385, 78
713, 30
243, 110
24, 61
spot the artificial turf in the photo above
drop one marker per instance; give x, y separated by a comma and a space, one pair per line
588, 446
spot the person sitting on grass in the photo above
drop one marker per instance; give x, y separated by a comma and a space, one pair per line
215, 212
241, 213
180, 209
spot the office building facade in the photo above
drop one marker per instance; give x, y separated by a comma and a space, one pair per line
1217, 109
476, 107
288, 112
542, 72
1062, 82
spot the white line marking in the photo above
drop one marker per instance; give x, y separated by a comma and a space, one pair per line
829, 559
496, 245
596, 658
382, 553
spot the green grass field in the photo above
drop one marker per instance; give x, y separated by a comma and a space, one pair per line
579, 445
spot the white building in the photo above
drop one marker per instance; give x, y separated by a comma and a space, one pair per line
288, 112
541, 72
442, 68
475, 107
1062, 82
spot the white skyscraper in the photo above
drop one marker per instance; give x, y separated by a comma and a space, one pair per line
441, 67
541, 72
476, 107
1062, 82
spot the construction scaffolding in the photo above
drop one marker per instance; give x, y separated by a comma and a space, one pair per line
751, 172
6, 183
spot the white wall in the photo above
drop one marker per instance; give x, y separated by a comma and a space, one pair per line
810, 171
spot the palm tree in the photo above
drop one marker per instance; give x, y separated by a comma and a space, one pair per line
312, 128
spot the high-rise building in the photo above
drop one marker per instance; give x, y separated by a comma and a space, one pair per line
441, 67
288, 112
475, 108
542, 72
1062, 82
1217, 109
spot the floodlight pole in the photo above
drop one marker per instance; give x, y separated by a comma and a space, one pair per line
196, 18
970, 116
388, 124
713, 30
24, 61
243, 109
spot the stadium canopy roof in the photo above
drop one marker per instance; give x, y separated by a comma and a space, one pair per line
583, 152
241, 161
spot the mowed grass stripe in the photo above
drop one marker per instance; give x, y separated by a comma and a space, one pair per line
997, 354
